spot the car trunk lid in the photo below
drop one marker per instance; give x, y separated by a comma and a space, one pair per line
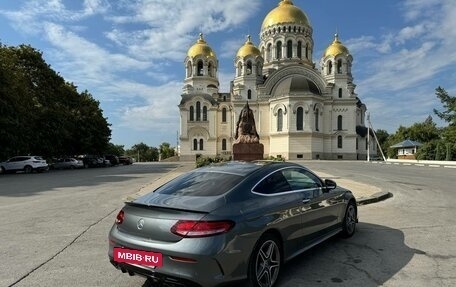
154, 223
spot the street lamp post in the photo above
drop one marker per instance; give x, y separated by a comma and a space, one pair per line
368, 136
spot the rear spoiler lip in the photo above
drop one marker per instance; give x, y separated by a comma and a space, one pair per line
131, 203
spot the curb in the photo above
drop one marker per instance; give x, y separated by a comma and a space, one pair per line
379, 196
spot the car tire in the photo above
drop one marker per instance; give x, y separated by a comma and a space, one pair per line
265, 262
28, 169
350, 218
2, 170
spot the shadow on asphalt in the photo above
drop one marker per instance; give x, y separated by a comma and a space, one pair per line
370, 258
21, 185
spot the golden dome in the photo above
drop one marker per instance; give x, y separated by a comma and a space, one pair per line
248, 49
336, 48
200, 48
286, 12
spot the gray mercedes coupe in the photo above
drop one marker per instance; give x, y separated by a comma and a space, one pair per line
229, 222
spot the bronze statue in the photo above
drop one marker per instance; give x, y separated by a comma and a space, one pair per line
245, 128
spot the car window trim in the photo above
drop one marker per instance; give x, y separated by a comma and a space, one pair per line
286, 192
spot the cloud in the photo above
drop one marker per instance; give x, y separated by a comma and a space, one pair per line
92, 7
400, 67
416, 52
172, 26
159, 111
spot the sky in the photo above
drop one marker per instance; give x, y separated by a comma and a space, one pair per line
129, 54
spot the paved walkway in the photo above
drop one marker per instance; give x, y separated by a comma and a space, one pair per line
364, 193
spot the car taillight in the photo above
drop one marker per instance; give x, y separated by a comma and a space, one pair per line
120, 217
190, 228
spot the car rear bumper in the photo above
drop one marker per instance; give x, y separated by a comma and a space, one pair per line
42, 168
156, 278
214, 266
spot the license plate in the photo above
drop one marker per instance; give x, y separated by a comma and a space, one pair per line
138, 257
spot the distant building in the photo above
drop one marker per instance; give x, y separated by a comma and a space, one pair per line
301, 112
406, 149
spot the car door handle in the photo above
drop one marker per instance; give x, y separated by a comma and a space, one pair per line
305, 200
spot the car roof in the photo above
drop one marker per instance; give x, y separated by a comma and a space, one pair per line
242, 168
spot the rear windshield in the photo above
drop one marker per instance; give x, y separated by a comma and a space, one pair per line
200, 184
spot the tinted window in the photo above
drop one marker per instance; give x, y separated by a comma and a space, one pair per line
200, 184
301, 179
274, 183
20, 158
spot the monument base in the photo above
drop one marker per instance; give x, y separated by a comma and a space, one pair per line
248, 151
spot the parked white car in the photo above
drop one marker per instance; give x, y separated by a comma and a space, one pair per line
27, 164
70, 163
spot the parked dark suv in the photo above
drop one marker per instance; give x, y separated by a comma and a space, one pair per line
125, 160
91, 160
113, 159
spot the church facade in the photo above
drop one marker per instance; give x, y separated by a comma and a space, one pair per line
301, 111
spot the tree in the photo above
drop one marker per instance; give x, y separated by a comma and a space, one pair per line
117, 150
143, 153
382, 137
400, 135
41, 113
449, 105
166, 151
448, 115
424, 132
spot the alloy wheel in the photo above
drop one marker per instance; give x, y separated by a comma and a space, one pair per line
267, 264
350, 219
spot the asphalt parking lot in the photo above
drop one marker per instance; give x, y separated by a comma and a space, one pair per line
55, 226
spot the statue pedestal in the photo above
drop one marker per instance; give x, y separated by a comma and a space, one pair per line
248, 151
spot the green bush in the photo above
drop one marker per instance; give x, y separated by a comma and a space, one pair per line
203, 160
273, 158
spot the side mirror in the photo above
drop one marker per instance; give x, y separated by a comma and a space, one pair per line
330, 184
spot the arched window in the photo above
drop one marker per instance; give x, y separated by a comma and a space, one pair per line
300, 119
224, 115
192, 113
209, 69
340, 92
195, 144
200, 68
249, 94
299, 50
317, 114
279, 120
189, 69
269, 52
289, 49
224, 144
198, 111
279, 50
307, 51
249, 68
339, 142
205, 113
239, 69
339, 123
330, 66
201, 144
258, 68
339, 66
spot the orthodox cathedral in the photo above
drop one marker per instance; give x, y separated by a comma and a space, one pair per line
301, 111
